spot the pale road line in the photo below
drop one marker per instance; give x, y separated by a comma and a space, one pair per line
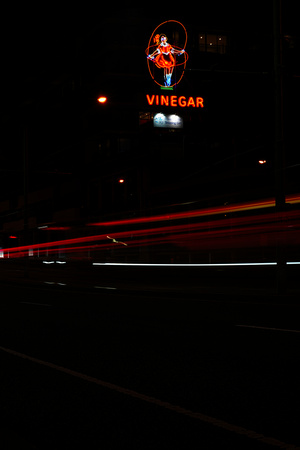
35, 304
268, 328
166, 405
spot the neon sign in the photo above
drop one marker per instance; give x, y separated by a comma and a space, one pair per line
175, 101
163, 55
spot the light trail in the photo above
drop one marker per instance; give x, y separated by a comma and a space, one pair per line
245, 264
268, 328
226, 209
261, 230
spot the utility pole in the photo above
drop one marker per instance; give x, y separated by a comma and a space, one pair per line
25, 188
279, 163
278, 106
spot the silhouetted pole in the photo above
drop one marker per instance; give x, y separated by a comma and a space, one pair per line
25, 189
278, 107
279, 139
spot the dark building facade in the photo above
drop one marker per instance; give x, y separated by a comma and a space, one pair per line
72, 161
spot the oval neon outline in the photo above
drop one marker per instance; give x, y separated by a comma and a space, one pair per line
185, 55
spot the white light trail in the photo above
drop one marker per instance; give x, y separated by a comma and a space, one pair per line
186, 265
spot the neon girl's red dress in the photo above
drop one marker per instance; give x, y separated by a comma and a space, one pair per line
165, 58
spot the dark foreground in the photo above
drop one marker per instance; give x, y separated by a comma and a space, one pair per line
98, 368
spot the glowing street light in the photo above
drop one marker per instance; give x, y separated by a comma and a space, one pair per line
102, 99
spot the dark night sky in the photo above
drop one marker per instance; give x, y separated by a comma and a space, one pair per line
35, 35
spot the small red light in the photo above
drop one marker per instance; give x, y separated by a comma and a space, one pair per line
13, 237
102, 99
121, 180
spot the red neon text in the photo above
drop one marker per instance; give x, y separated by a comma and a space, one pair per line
174, 101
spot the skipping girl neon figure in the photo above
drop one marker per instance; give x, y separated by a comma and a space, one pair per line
163, 57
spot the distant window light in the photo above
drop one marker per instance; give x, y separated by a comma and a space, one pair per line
213, 43
145, 117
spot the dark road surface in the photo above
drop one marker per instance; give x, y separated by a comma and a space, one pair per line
106, 369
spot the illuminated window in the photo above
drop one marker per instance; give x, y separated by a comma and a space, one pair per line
145, 117
213, 43
171, 121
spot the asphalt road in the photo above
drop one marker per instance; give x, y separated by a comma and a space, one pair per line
84, 368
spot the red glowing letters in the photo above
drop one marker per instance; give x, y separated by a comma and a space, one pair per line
174, 101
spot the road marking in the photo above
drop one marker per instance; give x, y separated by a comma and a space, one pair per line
268, 328
36, 304
155, 401
105, 287
52, 283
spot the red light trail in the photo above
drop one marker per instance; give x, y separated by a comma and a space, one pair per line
226, 209
268, 229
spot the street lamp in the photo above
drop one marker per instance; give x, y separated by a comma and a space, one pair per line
102, 99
